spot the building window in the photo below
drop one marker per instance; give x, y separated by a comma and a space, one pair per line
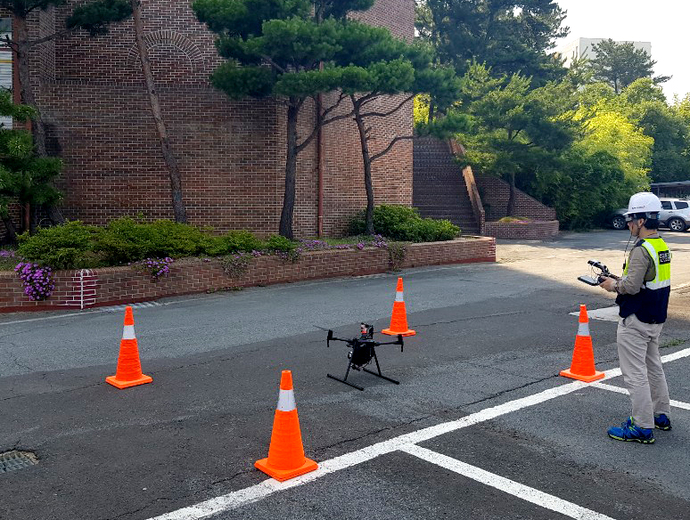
5, 64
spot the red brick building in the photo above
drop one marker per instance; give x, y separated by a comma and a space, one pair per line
232, 154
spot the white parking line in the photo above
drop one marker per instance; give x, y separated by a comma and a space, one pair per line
618, 389
506, 485
268, 487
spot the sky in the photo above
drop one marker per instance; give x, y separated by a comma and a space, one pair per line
665, 23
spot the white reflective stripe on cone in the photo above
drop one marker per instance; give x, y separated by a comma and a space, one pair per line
286, 401
583, 329
128, 332
399, 297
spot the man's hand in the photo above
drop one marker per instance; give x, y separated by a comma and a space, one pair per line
609, 284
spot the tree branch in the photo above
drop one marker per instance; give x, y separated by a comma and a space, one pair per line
273, 64
324, 122
10, 43
391, 145
50, 37
391, 112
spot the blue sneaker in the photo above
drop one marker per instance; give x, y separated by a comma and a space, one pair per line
662, 422
629, 432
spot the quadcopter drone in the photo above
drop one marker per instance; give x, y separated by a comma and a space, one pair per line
363, 350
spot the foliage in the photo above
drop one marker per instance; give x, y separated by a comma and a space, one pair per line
619, 64
236, 265
404, 224
24, 177
510, 37
7, 259
517, 131
154, 267
125, 240
37, 280
585, 189
397, 252
96, 16
606, 129
515, 219
275, 49
60, 247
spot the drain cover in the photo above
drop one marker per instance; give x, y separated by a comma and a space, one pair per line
11, 460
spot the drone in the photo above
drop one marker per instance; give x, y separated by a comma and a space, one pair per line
362, 351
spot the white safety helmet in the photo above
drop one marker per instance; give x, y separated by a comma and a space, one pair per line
645, 204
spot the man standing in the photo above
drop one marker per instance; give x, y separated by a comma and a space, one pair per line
643, 294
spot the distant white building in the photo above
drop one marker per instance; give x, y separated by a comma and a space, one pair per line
582, 48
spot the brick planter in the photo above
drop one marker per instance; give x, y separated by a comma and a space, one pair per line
87, 288
535, 230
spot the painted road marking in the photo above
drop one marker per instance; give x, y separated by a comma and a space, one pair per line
618, 389
268, 487
506, 485
603, 314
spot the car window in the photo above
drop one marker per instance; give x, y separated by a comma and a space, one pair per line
665, 204
681, 205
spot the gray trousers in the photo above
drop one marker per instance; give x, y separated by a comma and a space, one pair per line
643, 373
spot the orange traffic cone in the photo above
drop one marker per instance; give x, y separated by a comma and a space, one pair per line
285, 454
128, 365
582, 367
399, 316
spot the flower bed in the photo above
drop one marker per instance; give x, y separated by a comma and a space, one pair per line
532, 230
85, 288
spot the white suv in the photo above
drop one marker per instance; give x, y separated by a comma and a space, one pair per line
675, 214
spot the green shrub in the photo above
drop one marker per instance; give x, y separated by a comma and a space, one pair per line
124, 240
514, 219
405, 224
279, 243
68, 246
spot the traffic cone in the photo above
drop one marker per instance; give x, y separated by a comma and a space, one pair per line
128, 364
399, 317
286, 458
582, 367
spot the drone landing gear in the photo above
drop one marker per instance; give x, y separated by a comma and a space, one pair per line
377, 374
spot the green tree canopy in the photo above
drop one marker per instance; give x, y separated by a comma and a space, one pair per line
292, 50
24, 177
510, 37
619, 64
517, 131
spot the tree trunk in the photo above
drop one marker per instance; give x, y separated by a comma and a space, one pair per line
511, 197
11, 230
27, 94
290, 170
27, 97
179, 208
368, 185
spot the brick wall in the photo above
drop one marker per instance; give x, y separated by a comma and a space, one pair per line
89, 288
231, 154
495, 192
537, 230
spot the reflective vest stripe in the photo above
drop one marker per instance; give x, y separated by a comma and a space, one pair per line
286, 401
583, 329
663, 272
128, 332
658, 285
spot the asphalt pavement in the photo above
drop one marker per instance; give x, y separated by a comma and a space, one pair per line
480, 426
